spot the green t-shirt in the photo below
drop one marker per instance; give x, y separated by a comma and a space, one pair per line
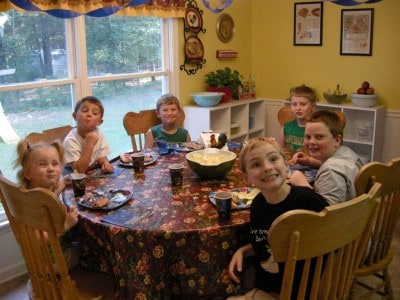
178, 137
294, 135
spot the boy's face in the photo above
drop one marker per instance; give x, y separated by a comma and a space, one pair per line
266, 168
301, 107
168, 113
319, 141
88, 117
43, 169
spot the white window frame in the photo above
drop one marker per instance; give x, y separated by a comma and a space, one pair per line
78, 75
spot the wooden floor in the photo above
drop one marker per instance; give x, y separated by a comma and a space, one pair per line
15, 289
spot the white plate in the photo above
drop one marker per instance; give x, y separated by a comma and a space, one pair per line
129, 164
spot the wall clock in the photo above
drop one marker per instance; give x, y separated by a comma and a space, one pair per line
225, 28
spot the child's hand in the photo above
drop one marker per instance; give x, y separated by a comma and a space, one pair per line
300, 158
106, 167
71, 218
92, 137
299, 179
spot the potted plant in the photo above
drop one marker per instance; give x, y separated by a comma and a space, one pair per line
226, 81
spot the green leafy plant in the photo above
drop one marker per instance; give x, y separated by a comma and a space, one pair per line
224, 78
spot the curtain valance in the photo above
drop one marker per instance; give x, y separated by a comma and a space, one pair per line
99, 8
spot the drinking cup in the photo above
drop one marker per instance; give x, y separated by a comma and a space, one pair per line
78, 184
176, 172
223, 202
138, 163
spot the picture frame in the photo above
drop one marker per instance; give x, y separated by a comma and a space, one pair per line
356, 31
308, 17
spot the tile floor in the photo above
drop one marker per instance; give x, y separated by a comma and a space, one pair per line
15, 289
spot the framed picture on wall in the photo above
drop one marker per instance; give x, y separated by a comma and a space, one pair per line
356, 31
308, 23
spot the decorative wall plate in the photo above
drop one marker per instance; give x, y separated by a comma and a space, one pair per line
217, 6
225, 28
193, 19
194, 50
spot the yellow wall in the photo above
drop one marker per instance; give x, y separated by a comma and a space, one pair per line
240, 10
264, 39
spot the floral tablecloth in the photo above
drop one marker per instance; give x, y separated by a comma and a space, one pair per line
179, 251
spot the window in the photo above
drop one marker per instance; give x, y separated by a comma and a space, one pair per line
46, 64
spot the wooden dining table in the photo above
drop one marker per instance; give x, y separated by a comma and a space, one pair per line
177, 248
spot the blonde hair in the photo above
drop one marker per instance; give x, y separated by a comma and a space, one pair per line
167, 99
24, 155
304, 91
255, 143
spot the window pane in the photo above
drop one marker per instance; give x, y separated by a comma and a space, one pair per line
32, 110
119, 97
32, 47
118, 44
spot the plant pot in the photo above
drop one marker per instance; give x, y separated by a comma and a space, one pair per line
227, 97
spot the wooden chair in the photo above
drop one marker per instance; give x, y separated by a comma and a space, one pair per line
329, 243
380, 253
137, 124
49, 135
37, 219
285, 114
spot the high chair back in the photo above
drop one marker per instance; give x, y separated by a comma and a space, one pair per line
49, 135
380, 253
321, 249
37, 219
137, 124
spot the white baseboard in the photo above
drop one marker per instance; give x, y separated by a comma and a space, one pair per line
12, 271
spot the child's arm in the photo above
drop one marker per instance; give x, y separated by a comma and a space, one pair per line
299, 179
281, 139
149, 140
106, 167
71, 218
82, 164
62, 183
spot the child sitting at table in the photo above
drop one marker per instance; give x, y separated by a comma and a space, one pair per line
168, 110
86, 145
338, 164
302, 103
264, 163
41, 166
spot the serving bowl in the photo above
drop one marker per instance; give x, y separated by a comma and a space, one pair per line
364, 100
207, 99
337, 99
211, 163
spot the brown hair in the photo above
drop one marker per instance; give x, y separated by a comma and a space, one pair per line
90, 99
304, 91
167, 99
331, 120
255, 143
24, 151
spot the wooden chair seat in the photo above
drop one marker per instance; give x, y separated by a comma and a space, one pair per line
49, 135
37, 219
379, 254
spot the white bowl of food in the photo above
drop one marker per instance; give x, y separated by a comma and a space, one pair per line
211, 163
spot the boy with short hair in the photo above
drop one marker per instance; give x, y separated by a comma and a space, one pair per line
302, 103
168, 110
86, 145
